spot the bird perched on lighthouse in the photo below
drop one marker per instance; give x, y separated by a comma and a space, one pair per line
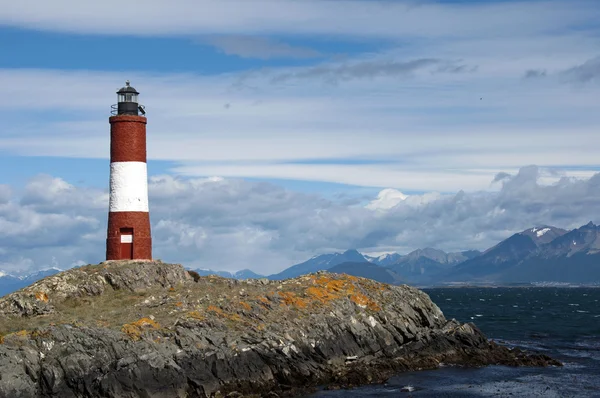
128, 235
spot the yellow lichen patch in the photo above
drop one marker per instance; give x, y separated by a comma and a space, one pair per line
321, 294
264, 301
1, 339
290, 298
233, 317
220, 312
365, 302
195, 315
21, 333
359, 299
336, 285
41, 296
134, 329
246, 306
329, 288
216, 310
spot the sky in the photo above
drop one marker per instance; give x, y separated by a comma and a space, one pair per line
282, 129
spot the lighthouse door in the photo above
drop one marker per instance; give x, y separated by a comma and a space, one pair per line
126, 243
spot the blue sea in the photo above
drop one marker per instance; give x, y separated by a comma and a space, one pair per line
561, 322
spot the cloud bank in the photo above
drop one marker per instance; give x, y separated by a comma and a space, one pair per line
316, 17
231, 224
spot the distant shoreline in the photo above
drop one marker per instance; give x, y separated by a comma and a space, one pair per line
519, 286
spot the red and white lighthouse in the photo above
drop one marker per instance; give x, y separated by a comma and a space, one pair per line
128, 235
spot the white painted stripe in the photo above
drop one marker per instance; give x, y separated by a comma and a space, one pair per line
126, 238
128, 186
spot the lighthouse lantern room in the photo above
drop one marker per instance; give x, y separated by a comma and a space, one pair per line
128, 234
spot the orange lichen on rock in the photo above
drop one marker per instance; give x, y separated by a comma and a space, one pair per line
1, 339
195, 315
329, 288
216, 310
134, 329
321, 294
41, 296
336, 285
233, 317
178, 304
364, 302
221, 313
290, 298
246, 306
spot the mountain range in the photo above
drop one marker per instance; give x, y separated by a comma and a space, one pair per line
10, 283
539, 254
546, 254
243, 274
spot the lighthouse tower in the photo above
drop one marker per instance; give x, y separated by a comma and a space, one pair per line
128, 235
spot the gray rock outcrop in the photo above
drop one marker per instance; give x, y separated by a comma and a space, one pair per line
153, 330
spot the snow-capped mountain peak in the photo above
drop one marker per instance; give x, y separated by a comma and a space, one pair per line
541, 232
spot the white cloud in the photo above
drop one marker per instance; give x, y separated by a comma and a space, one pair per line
397, 118
386, 199
315, 17
47, 192
233, 224
422, 134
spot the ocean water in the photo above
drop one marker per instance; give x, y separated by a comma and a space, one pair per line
561, 322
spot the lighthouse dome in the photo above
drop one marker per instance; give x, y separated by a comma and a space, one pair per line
127, 98
127, 89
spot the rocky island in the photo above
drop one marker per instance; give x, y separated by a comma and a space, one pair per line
152, 329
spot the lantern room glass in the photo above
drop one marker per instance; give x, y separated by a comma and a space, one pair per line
128, 97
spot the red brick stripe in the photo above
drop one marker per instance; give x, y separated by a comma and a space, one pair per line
142, 239
127, 138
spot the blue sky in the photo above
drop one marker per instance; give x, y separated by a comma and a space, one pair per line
335, 99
